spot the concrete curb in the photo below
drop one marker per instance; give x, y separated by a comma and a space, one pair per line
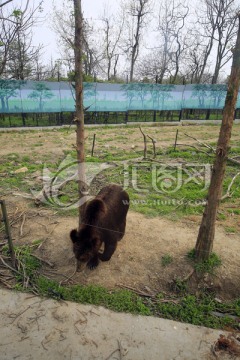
165, 123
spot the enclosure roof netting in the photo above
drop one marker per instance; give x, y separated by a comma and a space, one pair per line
18, 96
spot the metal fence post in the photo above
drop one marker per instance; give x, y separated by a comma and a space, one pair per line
126, 117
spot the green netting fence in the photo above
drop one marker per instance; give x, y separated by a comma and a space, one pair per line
55, 97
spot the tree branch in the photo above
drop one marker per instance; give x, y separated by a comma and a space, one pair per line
5, 3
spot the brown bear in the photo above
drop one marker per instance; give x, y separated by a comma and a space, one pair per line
103, 221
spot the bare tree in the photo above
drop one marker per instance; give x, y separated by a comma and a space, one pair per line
13, 22
222, 12
23, 56
152, 66
39, 71
171, 39
112, 30
217, 22
136, 12
93, 55
206, 233
8, 30
63, 24
197, 70
178, 14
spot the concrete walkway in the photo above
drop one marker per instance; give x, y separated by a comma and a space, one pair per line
36, 328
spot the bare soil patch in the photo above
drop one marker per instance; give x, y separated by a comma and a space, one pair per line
48, 143
137, 260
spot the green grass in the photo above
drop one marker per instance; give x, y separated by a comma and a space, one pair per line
230, 230
184, 307
221, 216
11, 180
188, 308
166, 260
205, 266
118, 300
28, 265
163, 198
158, 190
234, 211
198, 311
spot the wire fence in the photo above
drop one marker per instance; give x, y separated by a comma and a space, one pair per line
32, 103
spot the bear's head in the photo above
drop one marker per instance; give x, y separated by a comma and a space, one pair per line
86, 240
86, 244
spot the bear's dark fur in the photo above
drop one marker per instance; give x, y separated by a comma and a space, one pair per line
103, 221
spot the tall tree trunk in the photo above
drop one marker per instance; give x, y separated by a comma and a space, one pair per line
206, 233
133, 59
79, 118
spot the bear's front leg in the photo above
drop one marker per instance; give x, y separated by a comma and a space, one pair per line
93, 262
108, 251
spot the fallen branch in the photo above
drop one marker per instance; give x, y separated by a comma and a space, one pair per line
43, 260
232, 160
21, 227
8, 266
26, 196
139, 292
167, 301
5, 283
213, 150
120, 349
201, 143
15, 316
187, 277
152, 296
70, 277
228, 194
43, 345
163, 163
49, 234
196, 148
113, 352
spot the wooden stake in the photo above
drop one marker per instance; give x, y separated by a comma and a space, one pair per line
8, 232
145, 143
176, 138
94, 137
154, 146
